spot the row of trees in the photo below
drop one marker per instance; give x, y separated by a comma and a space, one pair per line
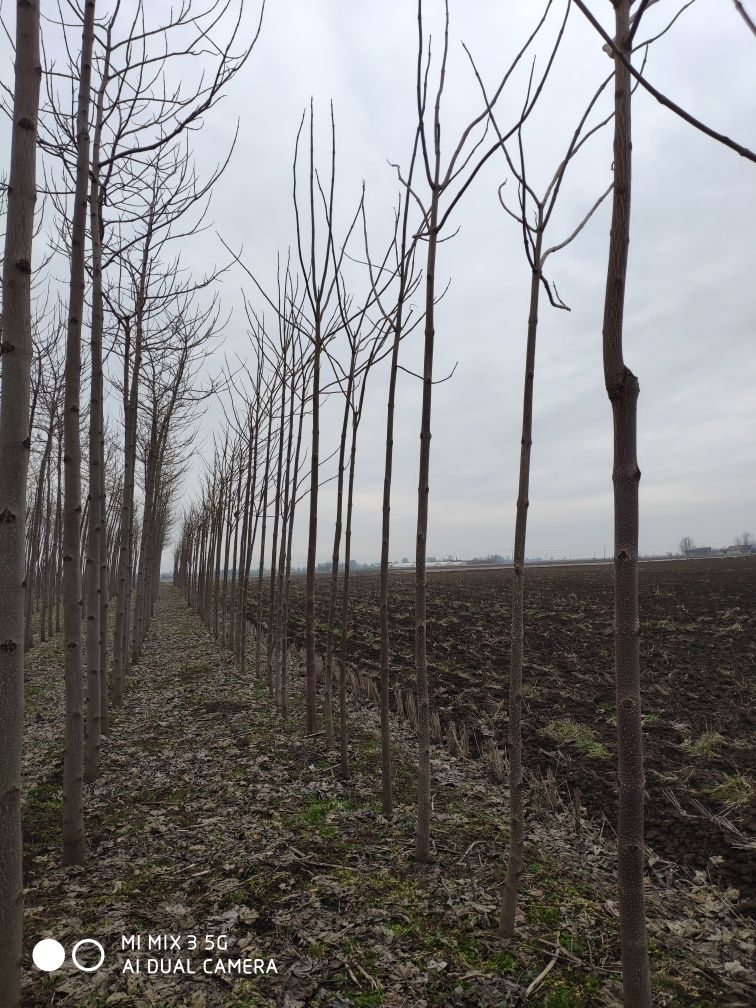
315, 309
134, 328
120, 189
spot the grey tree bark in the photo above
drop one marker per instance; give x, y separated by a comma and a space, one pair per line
16, 347
517, 823
73, 818
622, 388
422, 833
335, 555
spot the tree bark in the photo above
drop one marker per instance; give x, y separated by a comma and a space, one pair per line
73, 819
264, 515
312, 539
96, 535
386, 788
16, 346
343, 754
272, 642
335, 558
96, 418
422, 838
287, 573
516, 805
282, 559
622, 388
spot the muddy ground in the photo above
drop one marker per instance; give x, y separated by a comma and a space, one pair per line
698, 658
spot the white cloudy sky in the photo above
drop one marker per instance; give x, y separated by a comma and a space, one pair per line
691, 295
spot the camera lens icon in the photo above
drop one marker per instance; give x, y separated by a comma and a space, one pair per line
49, 955
95, 944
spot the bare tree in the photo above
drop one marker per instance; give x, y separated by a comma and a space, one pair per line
622, 388
320, 282
397, 317
73, 818
445, 182
347, 390
686, 544
16, 347
533, 216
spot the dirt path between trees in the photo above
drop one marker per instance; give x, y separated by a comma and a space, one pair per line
214, 818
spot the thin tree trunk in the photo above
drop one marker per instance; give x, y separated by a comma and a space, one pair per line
386, 788
287, 576
246, 546
264, 514
32, 572
73, 817
59, 534
422, 839
16, 340
99, 550
229, 619
271, 667
45, 572
335, 557
283, 553
516, 806
343, 759
309, 635
96, 439
120, 627
622, 388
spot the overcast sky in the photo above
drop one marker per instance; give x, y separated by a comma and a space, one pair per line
691, 293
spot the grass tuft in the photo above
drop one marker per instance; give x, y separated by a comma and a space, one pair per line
579, 735
705, 745
733, 790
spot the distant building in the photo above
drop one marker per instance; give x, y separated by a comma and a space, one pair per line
738, 550
698, 551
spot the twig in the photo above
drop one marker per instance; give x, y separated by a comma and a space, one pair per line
542, 975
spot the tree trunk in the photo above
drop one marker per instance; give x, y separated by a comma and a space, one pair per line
383, 604
96, 418
126, 547
622, 389
46, 565
264, 515
229, 622
287, 573
33, 549
335, 559
516, 807
343, 760
272, 642
246, 550
73, 819
95, 547
282, 558
422, 839
16, 346
59, 532
312, 541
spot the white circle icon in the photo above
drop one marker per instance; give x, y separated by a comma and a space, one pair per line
48, 955
78, 945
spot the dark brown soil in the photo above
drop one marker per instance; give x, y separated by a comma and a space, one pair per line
698, 657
